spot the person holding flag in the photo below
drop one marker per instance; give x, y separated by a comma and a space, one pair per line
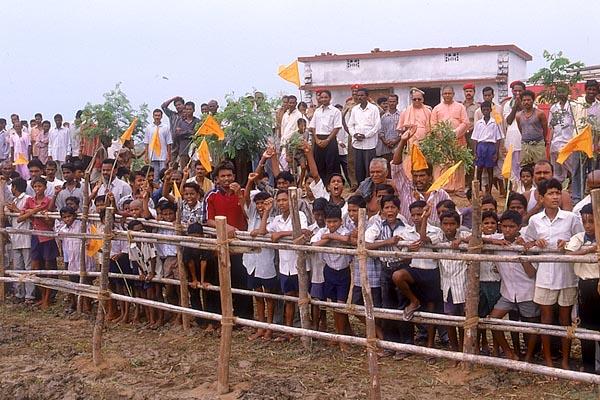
157, 139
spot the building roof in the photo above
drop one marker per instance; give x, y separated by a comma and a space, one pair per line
376, 53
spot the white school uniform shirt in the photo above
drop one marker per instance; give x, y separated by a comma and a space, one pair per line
262, 264
19, 241
75, 133
453, 273
314, 261
577, 208
118, 188
515, 284
318, 190
59, 143
488, 271
287, 258
554, 275
164, 249
583, 270
325, 119
164, 136
366, 121
142, 253
72, 247
289, 124
422, 263
337, 262
488, 132
564, 125
342, 138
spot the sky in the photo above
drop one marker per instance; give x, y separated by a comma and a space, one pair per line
58, 56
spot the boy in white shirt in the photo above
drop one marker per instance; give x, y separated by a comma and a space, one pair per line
316, 265
486, 137
555, 282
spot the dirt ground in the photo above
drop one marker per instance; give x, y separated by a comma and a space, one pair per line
47, 355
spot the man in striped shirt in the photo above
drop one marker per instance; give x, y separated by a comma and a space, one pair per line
388, 138
415, 189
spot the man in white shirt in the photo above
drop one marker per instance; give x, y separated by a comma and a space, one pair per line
161, 160
324, 126
364, 124
75, 133
289, 125
592, 182
59, 143
112, 184
555, 282
4, 141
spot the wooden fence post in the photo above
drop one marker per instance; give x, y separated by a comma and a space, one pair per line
226, 306
472, 299
2, 239
375, 388
184, 292
103, 295
595, 194
303, 300
84, 223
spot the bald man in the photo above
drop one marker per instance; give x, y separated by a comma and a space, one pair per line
542, 171
592, 182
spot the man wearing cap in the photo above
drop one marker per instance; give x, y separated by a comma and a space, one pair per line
585, 109
510, 107
471, 106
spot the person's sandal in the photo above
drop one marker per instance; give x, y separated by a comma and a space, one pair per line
409, 312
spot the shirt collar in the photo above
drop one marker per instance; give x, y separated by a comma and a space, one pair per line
559, 215
588, 238
398, 223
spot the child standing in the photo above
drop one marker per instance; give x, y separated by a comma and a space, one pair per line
555, 282
589, 299
486, 137
21, 149
20, 244
142, 256
316, 265
167, 254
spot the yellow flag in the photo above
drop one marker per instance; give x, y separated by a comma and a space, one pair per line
210, 126
155, 143
290, 73
444, 178
497, 116
127, 134
21, 159
581, 142
418, 160
204, 155
93, 245
507, 165
176, 192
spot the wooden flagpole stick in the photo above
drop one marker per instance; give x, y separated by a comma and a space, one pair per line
375, 388
84, 223
2, 239
303, 299
472, 298
103, 293
226, 306
184, 293
595, 194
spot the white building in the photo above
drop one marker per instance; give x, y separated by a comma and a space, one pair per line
386, 72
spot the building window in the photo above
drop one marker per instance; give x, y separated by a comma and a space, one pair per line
450, 57
352, 63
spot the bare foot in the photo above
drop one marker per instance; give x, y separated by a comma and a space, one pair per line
344, 348
256, 335
268, 334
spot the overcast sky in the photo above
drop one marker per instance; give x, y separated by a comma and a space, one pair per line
56, 56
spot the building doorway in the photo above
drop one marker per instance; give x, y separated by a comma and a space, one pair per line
433, 96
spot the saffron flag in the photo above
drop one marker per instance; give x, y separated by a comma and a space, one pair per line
155, 144
507, 164
210, 126
21, 159
129, 132
443, 178
176, 192
93, 245
418, 160
290, 73
204, 155
581, 142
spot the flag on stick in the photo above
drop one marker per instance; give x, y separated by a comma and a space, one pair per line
418, 160
129, 132
204, 155
507, 164
210, 126
290, 73
444, 178
581, 142
176, 192
155, 143
21, 159
93, 245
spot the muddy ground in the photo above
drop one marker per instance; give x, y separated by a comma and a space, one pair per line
47, 355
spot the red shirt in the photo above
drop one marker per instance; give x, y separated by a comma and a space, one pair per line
220, 203
40, 223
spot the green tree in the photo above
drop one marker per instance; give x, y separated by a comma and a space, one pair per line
441, 148
560, 74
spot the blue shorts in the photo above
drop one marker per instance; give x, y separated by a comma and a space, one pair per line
427, 284
269, 285
43, 251
485, 155
453, 309
357, 296
289, 283
317, 291
337, 283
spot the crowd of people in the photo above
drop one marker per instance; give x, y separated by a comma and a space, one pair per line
351, 157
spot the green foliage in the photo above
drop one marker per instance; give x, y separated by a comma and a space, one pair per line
560, 74
248, 126
112, 117
294, 145
441, 148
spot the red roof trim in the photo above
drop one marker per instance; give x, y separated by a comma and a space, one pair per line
420, 52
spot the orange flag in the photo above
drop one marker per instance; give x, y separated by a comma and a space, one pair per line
581, 142
444, 178
21, 159
93, 245
418, 160
290, 73
210, 126
155, 143
204, 155
176, 192
507, 165
129, 132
